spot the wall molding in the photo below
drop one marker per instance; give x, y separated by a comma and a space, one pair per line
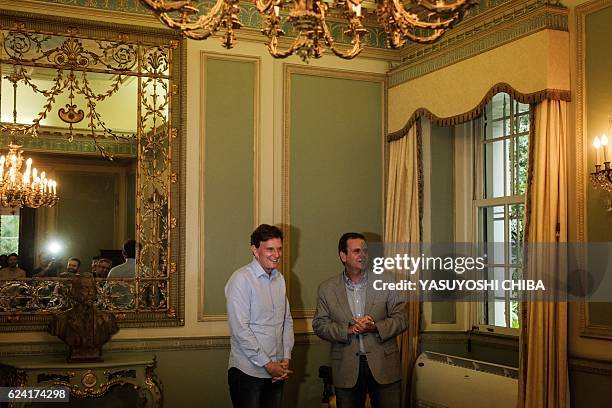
505, 23
138, 345
256, 61
288, 71
586, 365
587, 329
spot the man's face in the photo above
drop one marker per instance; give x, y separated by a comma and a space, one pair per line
73, 266
356, 257
103, 268
12, 261
269, 253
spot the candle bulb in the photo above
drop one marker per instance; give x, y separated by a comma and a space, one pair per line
357, 9
277, 11
604, 145
2, 159
597, 145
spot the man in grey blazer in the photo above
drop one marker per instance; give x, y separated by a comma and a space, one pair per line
362, 324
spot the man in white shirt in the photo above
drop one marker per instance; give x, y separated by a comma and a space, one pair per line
128, 268
260, 324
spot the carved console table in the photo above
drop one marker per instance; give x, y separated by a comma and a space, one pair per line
91, 379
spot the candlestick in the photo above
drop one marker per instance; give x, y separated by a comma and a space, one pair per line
597, 145
604, 145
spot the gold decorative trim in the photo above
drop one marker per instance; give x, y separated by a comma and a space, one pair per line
534, 97
286, 226
171, 148
256, 61
587, 329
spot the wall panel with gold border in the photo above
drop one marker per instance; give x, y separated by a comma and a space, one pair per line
332, 172
229, 169
591, 330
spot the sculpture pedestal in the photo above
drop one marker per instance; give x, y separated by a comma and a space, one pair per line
93, 380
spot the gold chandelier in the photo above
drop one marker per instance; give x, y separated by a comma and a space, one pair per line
27, 188
421, 21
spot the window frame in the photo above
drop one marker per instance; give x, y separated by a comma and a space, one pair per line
480, 201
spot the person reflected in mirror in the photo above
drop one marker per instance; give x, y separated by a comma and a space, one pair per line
128, 268
72, 268
261, 326
51, 270
12, 271
102, 268
121, 294
3, 261
94, 263
361, 324
44, 258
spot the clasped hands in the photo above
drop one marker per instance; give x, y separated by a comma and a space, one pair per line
360, 325
279, 370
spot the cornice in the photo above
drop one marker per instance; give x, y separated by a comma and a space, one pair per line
493, 28
133, 12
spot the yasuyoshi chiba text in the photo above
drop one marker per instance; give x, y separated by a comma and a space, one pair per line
523, 285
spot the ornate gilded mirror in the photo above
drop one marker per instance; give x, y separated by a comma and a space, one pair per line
99, 109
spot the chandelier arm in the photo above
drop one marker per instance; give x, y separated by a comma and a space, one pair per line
205, 25
349, 54
403, 17
355, 28
265, 6
273, 47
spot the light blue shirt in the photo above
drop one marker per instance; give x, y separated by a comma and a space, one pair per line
356, 295
259, 318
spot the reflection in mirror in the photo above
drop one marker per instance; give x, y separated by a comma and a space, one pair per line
72, 103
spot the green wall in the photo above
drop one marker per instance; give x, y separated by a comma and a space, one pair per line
335, 174
82, 194
228, 174
442, 204
599, 106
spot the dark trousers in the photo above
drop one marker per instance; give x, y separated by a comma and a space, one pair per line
252, 392
381, 395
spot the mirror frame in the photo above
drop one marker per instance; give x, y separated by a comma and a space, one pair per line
169, 246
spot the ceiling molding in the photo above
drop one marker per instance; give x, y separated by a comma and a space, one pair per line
495, 27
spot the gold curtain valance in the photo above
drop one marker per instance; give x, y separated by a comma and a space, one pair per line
534, 97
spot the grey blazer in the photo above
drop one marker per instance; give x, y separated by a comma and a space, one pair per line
331, 322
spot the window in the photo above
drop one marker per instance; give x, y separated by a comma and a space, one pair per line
501, 157
9, 233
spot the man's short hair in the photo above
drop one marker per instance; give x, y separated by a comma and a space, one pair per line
108, 261
75, 259
265, 232
342, 243
13, 254
129, 248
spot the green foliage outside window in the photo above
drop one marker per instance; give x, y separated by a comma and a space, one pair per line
9, 234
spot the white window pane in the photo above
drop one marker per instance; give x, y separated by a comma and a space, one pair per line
494, 169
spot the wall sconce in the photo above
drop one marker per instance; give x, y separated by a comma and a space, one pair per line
601, 178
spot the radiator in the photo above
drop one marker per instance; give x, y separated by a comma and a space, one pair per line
443, 381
